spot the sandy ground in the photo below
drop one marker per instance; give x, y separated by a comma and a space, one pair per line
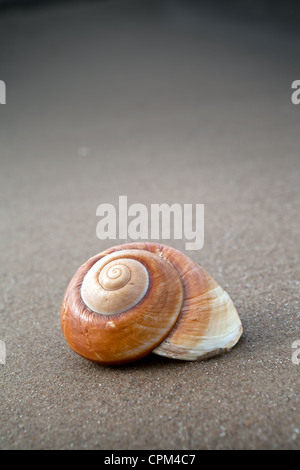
163, 104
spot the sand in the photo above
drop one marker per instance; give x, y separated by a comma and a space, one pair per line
161, 103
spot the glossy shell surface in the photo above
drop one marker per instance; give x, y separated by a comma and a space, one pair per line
138, 298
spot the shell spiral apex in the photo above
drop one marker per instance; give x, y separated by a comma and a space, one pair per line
138, 298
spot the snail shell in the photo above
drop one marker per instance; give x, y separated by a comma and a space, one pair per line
138, 298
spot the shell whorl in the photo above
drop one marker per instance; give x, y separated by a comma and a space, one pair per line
138, 298
113, 286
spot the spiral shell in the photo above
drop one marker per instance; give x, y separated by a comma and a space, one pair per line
138, 298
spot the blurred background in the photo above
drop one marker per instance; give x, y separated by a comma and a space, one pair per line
267, 10
162, 101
